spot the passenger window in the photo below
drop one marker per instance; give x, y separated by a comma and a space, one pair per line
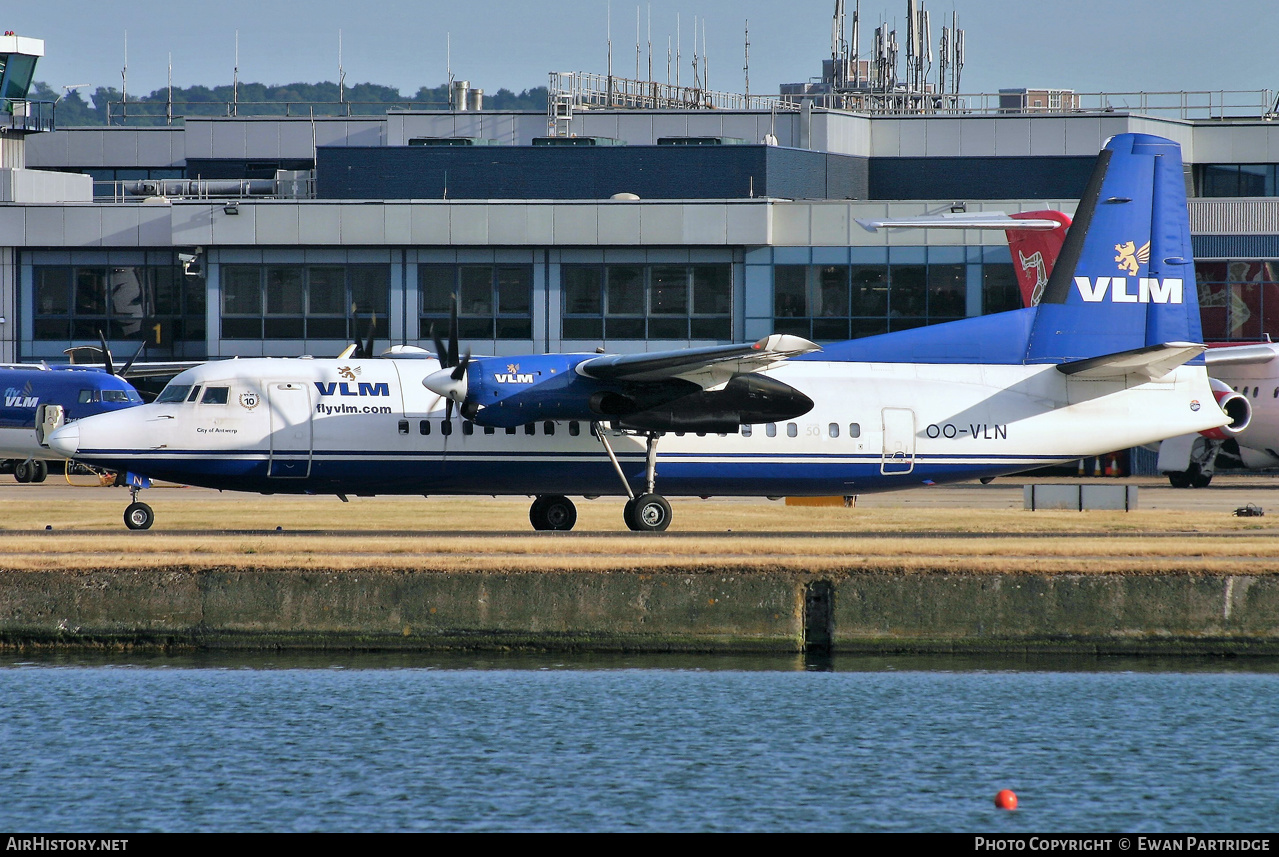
1255, 391
510, 429
468, 428
446, 427
1276, 395
771, 429
792, 430
530, 429
215, 395
195, 393
424, 427
834, 429
548, 428
746, 431
489, 430
574, 428
854, 430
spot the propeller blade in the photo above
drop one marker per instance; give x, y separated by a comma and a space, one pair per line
136, 354
440, 351
368, 348
453, 331
459, 372
106, 354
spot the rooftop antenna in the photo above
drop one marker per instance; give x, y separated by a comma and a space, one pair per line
696, 80
747, 68
677, 56
168, 110
448, 66
668, 59
341, 72
637, 42
608, 26
124, 78
855, 51
706, 61
650, 42
235, 77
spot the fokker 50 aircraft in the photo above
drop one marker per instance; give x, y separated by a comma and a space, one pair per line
1110, 357
38, 399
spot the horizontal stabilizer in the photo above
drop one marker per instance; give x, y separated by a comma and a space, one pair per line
1241, 355
719, 362
1150, 362
964, 220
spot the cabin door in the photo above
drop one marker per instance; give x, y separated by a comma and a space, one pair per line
899, 441
289, 404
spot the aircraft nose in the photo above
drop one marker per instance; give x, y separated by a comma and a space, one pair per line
65, 440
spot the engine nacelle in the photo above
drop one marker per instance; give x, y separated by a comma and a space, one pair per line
1236, 407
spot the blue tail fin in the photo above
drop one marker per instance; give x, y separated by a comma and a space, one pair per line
1125, 278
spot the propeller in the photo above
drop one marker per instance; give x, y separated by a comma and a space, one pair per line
358, 350
450, 381
106, 357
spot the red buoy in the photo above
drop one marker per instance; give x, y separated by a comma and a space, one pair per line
1006, 799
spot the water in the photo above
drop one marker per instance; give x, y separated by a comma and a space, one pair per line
402, 743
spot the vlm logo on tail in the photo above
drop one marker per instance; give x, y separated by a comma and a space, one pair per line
1150, 290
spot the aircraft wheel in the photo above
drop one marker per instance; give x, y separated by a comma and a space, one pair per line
552, 512
138, 516
22, 471
647, 513
1178, 479
39, 471
1200, 480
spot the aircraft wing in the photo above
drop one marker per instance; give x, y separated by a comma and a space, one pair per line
1241, 355
961, 220
1152, 361
707, 367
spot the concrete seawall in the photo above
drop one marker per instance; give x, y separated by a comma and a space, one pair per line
641, 612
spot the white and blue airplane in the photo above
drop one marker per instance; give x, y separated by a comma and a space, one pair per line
1111, 357
38, 399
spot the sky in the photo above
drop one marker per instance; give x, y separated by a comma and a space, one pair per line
1084, 45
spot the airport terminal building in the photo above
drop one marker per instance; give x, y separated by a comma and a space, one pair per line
627, 230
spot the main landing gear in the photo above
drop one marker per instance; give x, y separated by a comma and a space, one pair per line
647, 512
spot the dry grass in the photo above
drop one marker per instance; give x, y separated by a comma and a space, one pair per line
740, 536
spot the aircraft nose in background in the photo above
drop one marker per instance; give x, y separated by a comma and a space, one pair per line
65, 440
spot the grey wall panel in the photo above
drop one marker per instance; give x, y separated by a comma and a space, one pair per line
155, 226
120, 148
277, 224
662, 224
162, 148
1047, 136
319, 224
51, 149
943, 137
830, 224
747, 224
576, 224
199, 139
705, 224
791, 225
85, 227
238, 228
430, 225
619, 222
192, 224
85, 149
363, 224
399, 223
46, 226
1083, 136
976, 136
1012, 137
508, 224
468, 224
262, 139
230, 139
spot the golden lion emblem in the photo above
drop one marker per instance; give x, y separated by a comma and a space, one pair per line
348, 373
1130, 255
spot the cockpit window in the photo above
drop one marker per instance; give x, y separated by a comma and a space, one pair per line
173, 393
86, 396
195, 394
120, 396
215, 395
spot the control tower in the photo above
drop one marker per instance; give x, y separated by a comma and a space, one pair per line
21, 117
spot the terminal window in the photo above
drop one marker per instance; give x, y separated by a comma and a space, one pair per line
1238, 299
493, 301
304, 301
152, 302
638, 302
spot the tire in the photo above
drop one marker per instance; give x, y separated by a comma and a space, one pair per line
1200, 480
1178, 479
22, 471
648, 513
138, 516
552, 512
39, 471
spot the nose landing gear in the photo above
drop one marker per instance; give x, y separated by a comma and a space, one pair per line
138, 515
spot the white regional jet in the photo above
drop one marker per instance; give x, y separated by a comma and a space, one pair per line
1110, 358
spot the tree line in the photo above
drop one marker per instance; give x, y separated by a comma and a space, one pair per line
256, 99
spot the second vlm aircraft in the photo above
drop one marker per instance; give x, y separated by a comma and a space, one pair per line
1111, 357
